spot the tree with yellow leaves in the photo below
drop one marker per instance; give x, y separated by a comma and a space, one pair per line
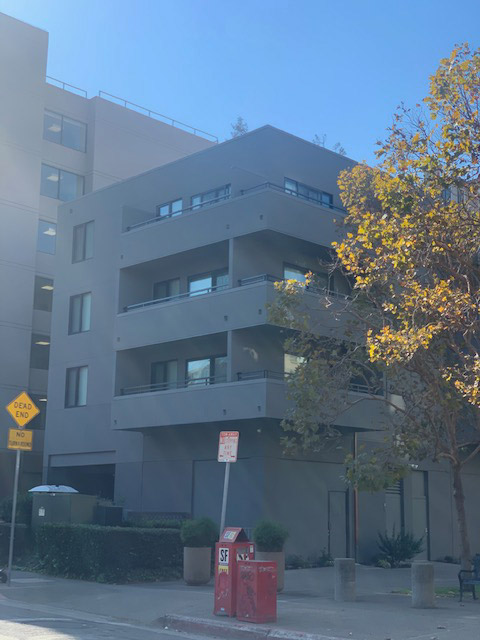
411, 248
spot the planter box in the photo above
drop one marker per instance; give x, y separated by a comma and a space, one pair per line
197, 562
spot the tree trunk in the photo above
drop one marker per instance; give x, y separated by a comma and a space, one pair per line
461, 517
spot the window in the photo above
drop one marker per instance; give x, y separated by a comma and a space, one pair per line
209, 197
163, 375
39, 351
41, 401
43, 294
291, 363
65, 131
206, 370
47, 236
83, 242
76, 387
295, 188
60, 184
166, 289
319, 280
170, 209
206, 283
80, 311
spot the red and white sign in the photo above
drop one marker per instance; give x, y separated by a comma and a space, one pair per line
228, 446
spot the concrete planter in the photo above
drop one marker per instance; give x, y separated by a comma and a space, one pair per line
196, 565
279, 558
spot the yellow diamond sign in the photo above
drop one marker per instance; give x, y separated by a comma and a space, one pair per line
22, 409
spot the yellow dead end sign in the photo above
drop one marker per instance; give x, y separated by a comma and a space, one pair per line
21, 439
22, 409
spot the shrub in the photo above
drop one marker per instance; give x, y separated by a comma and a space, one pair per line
23, 542
323, 560
24, 509
399, 548
202, 532
295, 561
108, 554
269, 536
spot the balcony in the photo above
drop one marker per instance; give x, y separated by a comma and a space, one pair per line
254, 395
146, 237
213, 310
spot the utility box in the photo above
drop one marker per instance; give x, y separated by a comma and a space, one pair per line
257, 591
232, 547
73, 508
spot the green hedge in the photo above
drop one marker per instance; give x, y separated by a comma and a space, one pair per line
23, 545
109, 554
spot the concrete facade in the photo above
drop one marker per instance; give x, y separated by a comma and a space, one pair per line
151, 442
89, 141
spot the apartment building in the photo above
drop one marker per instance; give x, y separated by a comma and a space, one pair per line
55, 145
161, 339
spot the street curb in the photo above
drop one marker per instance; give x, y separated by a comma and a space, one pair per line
234, 630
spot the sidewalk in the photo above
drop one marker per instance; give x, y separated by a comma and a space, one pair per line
306, 605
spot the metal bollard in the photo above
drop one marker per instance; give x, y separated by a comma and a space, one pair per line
423, 591
344, 579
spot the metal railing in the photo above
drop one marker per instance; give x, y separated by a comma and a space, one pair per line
167, 216
266, 277
66, 87
179, 296
291, 192
244, 282
156, 115
261, 187
242, 376
167, 386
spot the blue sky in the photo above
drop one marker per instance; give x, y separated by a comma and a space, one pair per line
306, 66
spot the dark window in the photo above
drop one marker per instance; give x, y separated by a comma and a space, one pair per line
164, 374
300, 190
60, 184
170, 209
166, 289
66, 131
76, 387
47, 236
43, 294
210, 197
209, 370
39, 421
39, 351
83, 242
80, 312
208, 282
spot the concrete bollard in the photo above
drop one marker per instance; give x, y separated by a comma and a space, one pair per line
344, 579
423, 591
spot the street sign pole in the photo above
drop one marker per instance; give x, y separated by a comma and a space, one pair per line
227, 453
225, 495
22, 409
14, 512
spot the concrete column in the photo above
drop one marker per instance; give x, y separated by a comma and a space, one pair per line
344, 579
423, 592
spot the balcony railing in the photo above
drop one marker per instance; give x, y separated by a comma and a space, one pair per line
265, 186
179, 296
266, 277
244, 282
167, 216
242, 376
291, 192
167, 386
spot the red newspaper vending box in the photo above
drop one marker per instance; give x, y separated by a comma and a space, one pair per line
232, 547
257, 591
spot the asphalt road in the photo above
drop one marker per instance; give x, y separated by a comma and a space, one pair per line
21, 622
